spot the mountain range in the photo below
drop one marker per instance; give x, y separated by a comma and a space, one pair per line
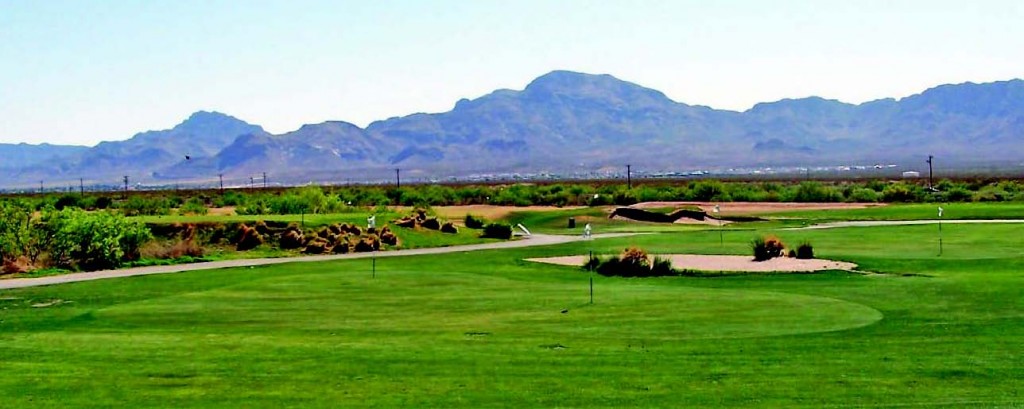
561, 122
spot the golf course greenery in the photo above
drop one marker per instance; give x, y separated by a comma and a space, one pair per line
487, 328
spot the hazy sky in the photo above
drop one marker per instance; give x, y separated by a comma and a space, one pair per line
78, 72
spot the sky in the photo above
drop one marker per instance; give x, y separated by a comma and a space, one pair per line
81, 72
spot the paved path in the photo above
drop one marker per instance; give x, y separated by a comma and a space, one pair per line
871, 223
535, 240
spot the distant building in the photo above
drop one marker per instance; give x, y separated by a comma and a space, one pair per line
911, 174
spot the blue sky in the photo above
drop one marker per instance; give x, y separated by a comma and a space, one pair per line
78, 72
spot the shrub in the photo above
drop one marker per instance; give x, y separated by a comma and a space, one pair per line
473, 222
805, 251
592, 263
317, 246
633, 262
431, 224
248, 238
193, 206
388, 237
497, 231
449, 228
291, 239
766, 248
662, 267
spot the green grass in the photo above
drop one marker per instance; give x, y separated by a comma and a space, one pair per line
1013, 210
486, 329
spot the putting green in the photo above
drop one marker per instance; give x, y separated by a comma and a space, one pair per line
450, 307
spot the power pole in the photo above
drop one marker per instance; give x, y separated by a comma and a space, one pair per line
251, 182
221, 176
40, 186
81, 186
930, 171
629, 177
125, 186
264, 180
398, 178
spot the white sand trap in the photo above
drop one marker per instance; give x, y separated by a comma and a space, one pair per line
725, 263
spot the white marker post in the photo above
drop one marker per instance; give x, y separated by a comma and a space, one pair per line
721, 239
940, 231
586, 231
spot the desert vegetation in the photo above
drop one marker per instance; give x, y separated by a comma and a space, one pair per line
342, 199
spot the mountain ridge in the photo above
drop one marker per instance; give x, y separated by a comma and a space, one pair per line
565, 120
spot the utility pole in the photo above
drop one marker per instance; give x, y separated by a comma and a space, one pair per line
81, 186
40, 186
252, 181
264, 180
398, 178
629, 177
125, 186
221, 176
930, 171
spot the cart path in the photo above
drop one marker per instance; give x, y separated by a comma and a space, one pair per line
876, 223
531, 241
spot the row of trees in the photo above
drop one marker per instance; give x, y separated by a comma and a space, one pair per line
341, 199
69, 238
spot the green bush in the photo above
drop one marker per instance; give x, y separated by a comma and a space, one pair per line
497, 231
91, 241
766, 248
805, 251
193, 206
474, 223
633, 262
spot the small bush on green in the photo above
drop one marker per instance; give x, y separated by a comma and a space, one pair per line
766, 248
805, 251
497, 231
473, 222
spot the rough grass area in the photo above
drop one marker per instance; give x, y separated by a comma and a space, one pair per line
486, 329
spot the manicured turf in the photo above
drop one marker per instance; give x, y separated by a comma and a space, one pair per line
487, 329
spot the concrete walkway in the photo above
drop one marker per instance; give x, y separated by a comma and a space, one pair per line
531, 241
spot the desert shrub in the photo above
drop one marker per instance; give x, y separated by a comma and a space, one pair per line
633, 262
805, 251
958, 194
291, 239
449, 228
248, 238
68, 201
367, 244
863, 195
388, 237
193, 206
766, 248
497, 231
662, 267
103, 203
341, 246
317, 246
431, 223
473, 222
901, 192
92, 241
145, 206
173, 249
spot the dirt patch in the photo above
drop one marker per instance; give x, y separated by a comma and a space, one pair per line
725, 263
756, 207
221, 211
488, 212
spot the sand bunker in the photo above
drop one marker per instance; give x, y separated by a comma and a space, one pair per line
725, 263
